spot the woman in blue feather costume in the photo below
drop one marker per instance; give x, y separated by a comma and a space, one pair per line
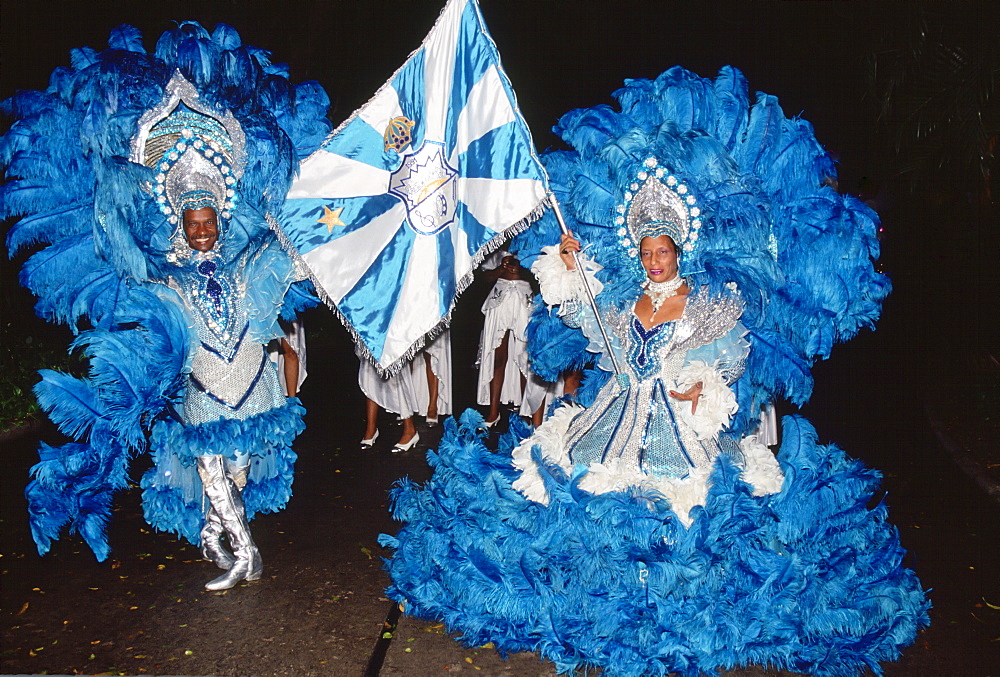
649, 533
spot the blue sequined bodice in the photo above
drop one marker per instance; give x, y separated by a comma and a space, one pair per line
639, 425
645, 344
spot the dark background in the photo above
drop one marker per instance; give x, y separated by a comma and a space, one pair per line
903, 95
822, 59
828, 62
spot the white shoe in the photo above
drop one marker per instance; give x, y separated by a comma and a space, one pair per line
370, 442
401, 447
431, 422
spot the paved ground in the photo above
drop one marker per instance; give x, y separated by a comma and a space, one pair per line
320, 608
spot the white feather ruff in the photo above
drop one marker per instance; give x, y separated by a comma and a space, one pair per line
761, 469
559, 284
716, 405
549, 436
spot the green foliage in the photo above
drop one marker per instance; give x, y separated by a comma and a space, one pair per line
22, 354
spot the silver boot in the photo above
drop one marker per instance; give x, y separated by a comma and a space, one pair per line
211, 534
225, 498
212, 531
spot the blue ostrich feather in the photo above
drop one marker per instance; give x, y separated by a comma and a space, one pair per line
299, 297
809, 579
72, 404
554, 347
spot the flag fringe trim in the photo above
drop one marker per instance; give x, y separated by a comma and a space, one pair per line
460, 286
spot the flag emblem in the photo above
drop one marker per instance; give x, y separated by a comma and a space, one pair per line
397, 133
426, 185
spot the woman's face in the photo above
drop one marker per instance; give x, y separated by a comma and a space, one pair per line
659, 258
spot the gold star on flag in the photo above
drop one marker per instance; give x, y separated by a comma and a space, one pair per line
331, 217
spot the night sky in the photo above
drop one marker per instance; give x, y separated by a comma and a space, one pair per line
558, 55
561, 55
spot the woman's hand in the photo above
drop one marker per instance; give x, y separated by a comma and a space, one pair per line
692, 394
567, 245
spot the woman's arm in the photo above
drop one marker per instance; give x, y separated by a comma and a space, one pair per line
558, 278
705, 381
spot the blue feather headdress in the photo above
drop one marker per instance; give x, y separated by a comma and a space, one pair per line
801, 255
86, 191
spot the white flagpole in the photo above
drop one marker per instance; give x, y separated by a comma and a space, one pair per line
586, 285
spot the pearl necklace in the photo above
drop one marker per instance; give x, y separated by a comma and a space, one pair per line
659, 292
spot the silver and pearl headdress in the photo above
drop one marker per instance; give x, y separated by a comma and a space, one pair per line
198, 153
658, 203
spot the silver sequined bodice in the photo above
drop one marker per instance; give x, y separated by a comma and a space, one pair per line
231, 376
639, 425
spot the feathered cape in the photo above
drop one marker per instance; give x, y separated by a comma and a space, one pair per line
77, 193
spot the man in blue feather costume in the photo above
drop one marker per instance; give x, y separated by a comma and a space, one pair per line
624, 533
233, 408
154, 179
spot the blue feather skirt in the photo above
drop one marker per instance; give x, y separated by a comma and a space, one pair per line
809, 579
171, 490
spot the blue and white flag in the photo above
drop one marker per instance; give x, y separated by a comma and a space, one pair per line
401, 203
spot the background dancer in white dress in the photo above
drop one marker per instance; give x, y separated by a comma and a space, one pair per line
431, 375
289, 355
505, 376
409, 392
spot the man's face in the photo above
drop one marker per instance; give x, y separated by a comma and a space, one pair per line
201, 228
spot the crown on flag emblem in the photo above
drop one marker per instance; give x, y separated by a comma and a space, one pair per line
397, 133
